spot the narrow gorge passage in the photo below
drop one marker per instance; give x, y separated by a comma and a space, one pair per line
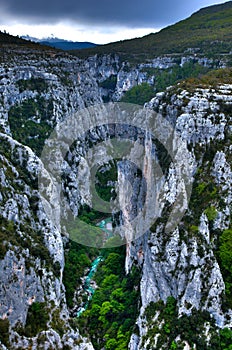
89, 284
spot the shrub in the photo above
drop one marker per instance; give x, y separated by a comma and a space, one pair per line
77, 258
225, 260
30, 122
4, 331
211, 213
109, 83
139, 94
37, 318
34, 84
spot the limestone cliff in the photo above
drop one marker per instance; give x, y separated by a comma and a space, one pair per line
32, 250
182, 264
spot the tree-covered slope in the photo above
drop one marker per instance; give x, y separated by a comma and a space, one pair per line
209, 31
8, 41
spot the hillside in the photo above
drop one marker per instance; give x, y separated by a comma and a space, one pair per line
10, 43
7, 39
208, 31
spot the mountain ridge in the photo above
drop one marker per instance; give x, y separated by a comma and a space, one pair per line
61, 44
200, 29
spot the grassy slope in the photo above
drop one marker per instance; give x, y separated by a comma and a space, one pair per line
9, 41
211, 24
210, 80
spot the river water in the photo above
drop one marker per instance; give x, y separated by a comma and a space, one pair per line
106, 226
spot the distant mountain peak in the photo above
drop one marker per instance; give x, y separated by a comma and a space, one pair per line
62, 44
31, 38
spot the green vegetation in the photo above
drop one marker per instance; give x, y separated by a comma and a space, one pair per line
168, 77
206, 195
6, 235
7, 39
26, 239
203, 194
139, 94
211, 213
4, 331
65, 78
104, 176
22, 235
83, 229
15, 43
189, 328
37, 318
112, 312
57, 323
211, 79
30, 122
33, 84
225, 260
17, 157
225, 249
109, 83
226, 339
77, 259
208, 32
85, 233
163, 79
89, 215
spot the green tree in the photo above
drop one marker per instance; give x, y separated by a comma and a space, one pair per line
37, 318
4, 331
114, 307
226, 339
225, 250
139, 94
111, 344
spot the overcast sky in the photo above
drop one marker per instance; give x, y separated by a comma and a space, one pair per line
98, 21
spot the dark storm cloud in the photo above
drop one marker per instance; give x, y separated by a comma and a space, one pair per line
143, 13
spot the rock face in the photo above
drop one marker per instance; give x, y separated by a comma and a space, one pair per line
128, 75
181, 264
32, 263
